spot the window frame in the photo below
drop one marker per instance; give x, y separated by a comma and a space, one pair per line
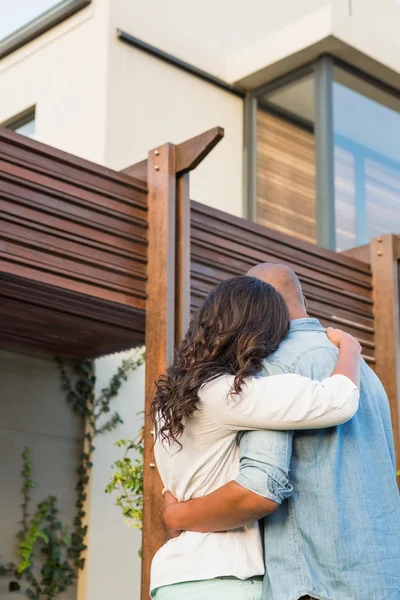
42, 23
21, 119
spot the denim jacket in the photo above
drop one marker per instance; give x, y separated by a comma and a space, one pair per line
337, 534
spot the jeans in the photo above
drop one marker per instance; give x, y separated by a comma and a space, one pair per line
222, 588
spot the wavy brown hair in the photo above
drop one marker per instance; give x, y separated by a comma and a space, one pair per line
240, 323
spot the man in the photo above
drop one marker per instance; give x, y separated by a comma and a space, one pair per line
337, 536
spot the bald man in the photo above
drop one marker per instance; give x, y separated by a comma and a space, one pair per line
333, 525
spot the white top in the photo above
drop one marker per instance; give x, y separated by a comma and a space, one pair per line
209, 458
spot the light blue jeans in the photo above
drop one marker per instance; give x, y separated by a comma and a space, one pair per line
221, 588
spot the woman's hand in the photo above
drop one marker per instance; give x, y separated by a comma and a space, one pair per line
348, 362
339, 337
168, 501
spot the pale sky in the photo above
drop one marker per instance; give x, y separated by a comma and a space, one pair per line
16, 13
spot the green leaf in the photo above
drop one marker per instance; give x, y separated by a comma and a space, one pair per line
43, 536
14, 586
23, 565
80, 563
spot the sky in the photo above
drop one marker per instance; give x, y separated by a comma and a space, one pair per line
16, 13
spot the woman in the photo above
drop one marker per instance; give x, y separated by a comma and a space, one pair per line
211, 392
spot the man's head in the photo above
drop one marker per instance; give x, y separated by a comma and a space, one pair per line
286, 282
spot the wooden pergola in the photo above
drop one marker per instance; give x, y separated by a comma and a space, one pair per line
94, 261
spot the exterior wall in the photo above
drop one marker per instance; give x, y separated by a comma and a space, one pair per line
207, 33
362, 33
67, 74
34, 414
63, 73
372, 29
113, 564
150, 103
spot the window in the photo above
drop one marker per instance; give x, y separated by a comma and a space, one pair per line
286, 159
30, 18
327, 156
24, 124
366, 122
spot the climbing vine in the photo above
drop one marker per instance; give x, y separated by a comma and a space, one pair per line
50, 552
127, 481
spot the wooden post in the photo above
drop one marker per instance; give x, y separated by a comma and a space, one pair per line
160, 328
166, 172
385, 281
182, 249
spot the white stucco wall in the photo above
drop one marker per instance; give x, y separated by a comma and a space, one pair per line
233, 40
34, 414
206, 33
150, 103
372, 28
63, 74
113, 565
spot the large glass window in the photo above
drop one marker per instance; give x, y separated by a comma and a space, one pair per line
366, 121
328, 107
286, 159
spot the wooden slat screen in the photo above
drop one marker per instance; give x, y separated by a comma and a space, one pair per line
74, 234
285, 177
338, 288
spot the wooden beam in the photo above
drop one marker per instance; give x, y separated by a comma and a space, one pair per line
363, 252
385, 280
360, 253
160, 329
182, 249
138, 170
189, 154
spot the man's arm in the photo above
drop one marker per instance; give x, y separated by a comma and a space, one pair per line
229, 507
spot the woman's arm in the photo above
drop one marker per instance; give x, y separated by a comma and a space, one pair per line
348, 363
290, 401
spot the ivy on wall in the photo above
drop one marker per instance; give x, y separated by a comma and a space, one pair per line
51, 553
127, 481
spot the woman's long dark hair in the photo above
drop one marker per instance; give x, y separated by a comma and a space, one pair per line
240, 323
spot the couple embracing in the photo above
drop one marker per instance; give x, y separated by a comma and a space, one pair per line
275, 447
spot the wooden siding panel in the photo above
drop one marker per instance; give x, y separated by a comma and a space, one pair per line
338, 288
285, 177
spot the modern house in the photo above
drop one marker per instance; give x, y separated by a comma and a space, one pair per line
308, 94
